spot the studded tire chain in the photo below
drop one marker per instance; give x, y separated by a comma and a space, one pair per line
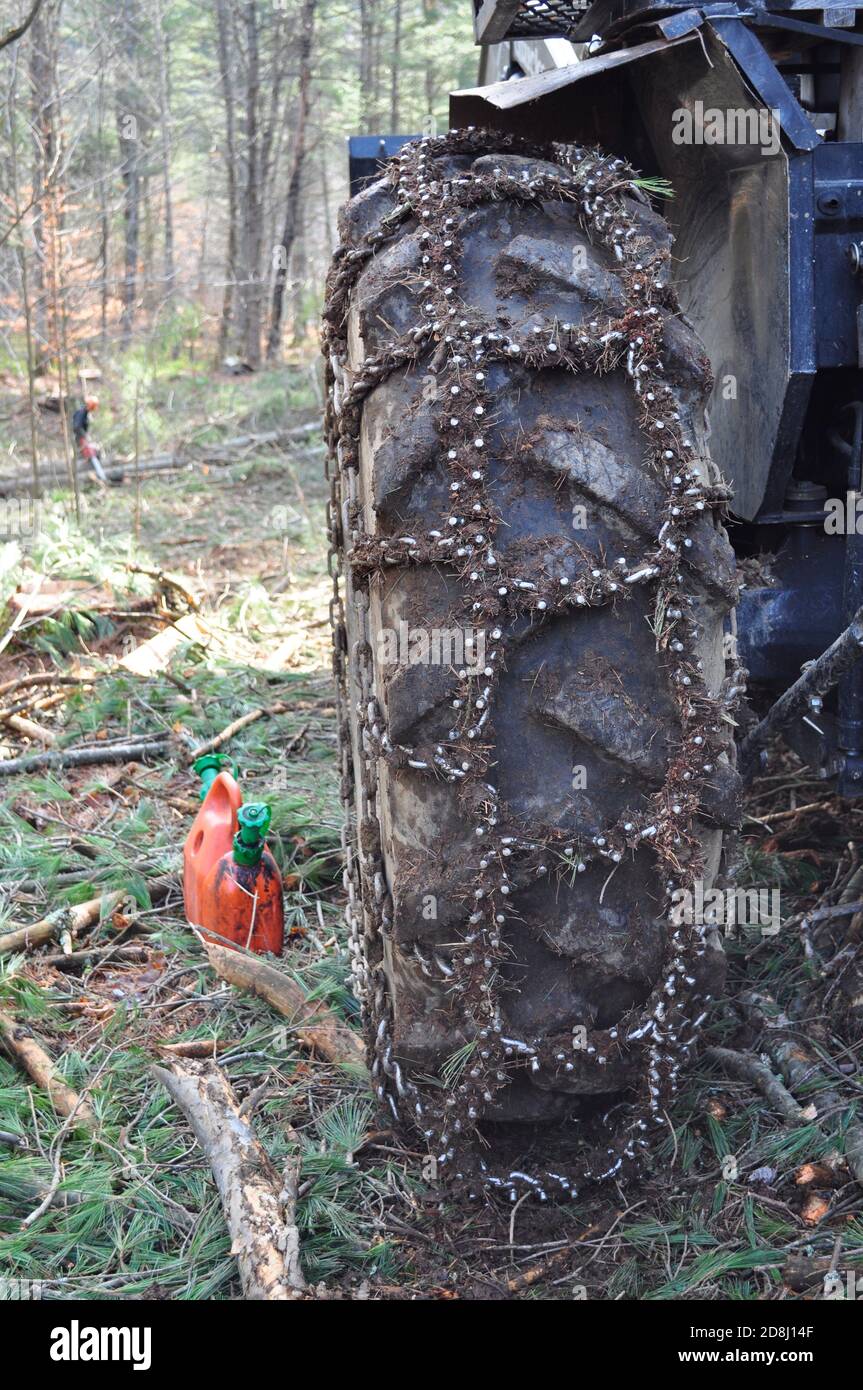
420, 248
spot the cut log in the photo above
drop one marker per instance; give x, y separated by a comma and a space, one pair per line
37, 732
224, 453
254, 1210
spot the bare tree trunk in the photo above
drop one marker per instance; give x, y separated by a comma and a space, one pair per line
260, 1220
165, 122
227, 85
299, 279
275, 139
292, 202
42, 125
25, 289
48, 224
59, 312
49, 219
104, 222
275, 121
325, 197
251, 228
368, 86
396, 65
147, 296
430, 73
203, 245
130, 135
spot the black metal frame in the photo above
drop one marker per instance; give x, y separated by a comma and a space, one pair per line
820, 577
498, 21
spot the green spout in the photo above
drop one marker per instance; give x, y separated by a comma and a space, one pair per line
254, 822
208, 767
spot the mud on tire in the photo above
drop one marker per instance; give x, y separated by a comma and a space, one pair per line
586, 716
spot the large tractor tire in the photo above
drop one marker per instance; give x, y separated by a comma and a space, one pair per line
517, 832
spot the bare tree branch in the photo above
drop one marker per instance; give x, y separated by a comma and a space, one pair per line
13, 35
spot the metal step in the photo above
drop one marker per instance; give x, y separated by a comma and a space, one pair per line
498, 20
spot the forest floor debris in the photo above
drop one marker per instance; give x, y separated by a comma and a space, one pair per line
99, 969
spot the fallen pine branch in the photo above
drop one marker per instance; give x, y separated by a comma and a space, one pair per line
43, 678
20, 1042
315, 1025
212, 453
217, 741
72, 919
196, 1047
801, 1069
104, 954
69, 878
77, 917
30, 704
829, 914
30, 729
90, 756
557, 1260
818, 677
774, 817
749, 1068
264, 1237
166, 580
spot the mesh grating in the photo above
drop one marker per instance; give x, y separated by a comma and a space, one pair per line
545, 19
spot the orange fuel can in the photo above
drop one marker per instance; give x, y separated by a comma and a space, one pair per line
213, 828
241, 897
